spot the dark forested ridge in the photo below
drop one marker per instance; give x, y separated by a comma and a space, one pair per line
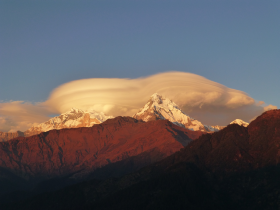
235, 168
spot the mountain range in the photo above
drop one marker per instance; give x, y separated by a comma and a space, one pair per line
157, 155
80, 151
74, 118
235, 168
156, 108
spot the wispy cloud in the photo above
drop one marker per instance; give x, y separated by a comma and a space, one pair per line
19, 115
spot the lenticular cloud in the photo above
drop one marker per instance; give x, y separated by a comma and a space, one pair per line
200, 98
196, 95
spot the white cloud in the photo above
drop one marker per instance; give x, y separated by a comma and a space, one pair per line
199, 97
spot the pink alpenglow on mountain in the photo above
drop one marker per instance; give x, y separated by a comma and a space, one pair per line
65, 151
75, 118
159, 107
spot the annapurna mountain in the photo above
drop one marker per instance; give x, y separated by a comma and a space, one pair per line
156, 108
159, 107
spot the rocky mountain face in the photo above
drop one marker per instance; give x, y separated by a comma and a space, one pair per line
159, 107
62, 152
235, 168
5, 136
74, 118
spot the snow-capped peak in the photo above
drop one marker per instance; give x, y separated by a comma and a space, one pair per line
74, 109
240, 122
159, 107
73, 118
156, 98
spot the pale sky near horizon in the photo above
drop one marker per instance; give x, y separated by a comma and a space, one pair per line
44, 44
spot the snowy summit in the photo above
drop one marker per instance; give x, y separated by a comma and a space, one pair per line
72, 119
159, 107
240, 122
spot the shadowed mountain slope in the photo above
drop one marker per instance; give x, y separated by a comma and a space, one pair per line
235, 168
80, 151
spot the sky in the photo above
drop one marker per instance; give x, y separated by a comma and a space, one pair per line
45, 45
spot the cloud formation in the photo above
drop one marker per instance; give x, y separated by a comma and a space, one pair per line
269, 107
200, 98
19, 115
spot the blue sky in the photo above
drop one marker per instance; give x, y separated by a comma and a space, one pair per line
44, 44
